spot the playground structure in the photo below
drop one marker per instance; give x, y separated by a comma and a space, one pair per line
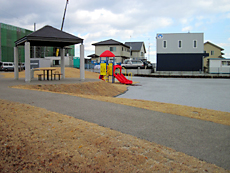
109, 69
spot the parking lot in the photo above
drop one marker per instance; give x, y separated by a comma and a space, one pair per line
205, 93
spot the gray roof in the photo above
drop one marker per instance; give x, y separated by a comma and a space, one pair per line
208, 42
49, 36
218, 59
110, 42
93, 56
136, 46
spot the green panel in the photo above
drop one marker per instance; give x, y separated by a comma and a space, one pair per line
9, 34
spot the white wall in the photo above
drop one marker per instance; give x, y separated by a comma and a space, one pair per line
67, 60
187, 39
42, 62
216, 66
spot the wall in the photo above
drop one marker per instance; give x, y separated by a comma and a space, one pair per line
118, 53
67, 60
208, 48
179, 62
187, 43
39, 63
216, 66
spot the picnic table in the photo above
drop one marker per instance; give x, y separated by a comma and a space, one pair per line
46, 73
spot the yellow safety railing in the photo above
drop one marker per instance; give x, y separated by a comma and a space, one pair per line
125, 70
130, 74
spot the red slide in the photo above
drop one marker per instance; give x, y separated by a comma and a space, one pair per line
120, 77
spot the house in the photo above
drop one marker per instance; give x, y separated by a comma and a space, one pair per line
219, 65
180, 51
138, 50
214, 52
120, 50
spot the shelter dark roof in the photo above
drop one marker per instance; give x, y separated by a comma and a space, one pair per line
110, 42
49, 36
93, 56
136, 46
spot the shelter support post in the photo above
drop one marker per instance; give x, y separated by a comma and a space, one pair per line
62, 52
113, 79
16, 63
82, 63
27, 62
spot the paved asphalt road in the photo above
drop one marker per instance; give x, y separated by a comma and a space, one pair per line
205, 140
205, 93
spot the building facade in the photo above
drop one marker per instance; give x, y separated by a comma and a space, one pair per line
120, 50
138, 50
214, 51
9, 34
180, 52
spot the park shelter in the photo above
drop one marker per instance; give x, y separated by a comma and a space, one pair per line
49, 37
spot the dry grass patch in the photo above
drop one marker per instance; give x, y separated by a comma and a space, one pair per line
36, 140
69, 73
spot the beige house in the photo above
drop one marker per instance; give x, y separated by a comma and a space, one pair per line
214, 51
138, 50
120, 50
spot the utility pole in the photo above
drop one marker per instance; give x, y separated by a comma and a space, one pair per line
67, 1
64, 15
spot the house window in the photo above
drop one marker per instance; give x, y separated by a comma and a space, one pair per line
224, 63
164, 44
112, 49
194, 44
122, 48
142, 54
212, 52
180, 44
205, 51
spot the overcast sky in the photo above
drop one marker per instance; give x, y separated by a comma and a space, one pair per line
124, 20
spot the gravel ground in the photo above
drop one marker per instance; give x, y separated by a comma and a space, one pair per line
205, 93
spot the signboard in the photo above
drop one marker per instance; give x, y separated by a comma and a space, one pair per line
103, 69
34, 64
160, 36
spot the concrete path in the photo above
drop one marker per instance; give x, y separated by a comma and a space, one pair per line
205, 93
205, 140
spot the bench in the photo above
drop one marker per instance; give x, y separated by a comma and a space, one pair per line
40, 76
56, 73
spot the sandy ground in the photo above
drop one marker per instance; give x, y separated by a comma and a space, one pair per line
34, 139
